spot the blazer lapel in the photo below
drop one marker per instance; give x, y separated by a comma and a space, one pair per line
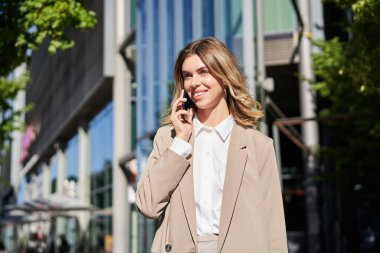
236, 160
187, 193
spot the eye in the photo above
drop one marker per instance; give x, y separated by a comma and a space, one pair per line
204, 72
186, 76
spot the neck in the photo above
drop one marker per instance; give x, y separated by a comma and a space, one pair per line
212, 117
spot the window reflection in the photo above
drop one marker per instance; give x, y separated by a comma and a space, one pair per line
101, 153
72, 159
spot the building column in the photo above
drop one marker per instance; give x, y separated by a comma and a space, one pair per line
61, 166
309, 130
61, 176
16, 166
248, 46
83, 174
260, 60
122, 131
46, 180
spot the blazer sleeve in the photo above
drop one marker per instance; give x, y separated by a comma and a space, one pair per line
273, 200
163, 172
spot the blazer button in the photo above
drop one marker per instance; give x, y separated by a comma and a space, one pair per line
168, 247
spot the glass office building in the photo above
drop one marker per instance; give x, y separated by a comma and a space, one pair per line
71, 158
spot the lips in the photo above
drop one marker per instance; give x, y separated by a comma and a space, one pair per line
198, 94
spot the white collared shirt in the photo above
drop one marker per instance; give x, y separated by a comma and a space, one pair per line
209, 167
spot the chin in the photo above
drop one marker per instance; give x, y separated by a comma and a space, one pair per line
203, 106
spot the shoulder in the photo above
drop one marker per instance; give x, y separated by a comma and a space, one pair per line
256, 137
259, 145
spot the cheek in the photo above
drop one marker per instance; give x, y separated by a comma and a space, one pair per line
187, 86
212, 82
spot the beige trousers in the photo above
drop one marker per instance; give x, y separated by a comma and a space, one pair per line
207, 244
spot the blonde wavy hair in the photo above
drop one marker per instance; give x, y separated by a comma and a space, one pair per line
223, 66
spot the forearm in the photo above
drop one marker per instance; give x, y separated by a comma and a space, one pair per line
158, 181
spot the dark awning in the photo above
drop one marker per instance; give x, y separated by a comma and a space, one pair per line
56, 205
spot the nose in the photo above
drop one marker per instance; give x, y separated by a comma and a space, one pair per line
196, 80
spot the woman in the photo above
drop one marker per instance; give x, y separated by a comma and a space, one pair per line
212, 179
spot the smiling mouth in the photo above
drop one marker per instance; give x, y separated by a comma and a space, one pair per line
199, 94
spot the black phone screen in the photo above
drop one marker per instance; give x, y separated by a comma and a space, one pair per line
189, 103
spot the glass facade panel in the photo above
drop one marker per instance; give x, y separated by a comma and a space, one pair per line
132, 13
141, 63
101, 141
170, 33
101, 154
278, 16
187, 21
21, 191
149, 84
133, 115
72, 159
156, 66
233, 28
208, 18
141, 75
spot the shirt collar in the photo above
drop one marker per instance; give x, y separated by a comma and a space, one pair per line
223, 129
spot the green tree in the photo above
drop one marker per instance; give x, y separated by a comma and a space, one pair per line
350, 81
24, 26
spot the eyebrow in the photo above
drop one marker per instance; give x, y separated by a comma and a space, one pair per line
197, 70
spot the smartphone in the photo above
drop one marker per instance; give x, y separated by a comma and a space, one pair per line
189, 103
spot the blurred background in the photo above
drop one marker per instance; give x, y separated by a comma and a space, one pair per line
84, 84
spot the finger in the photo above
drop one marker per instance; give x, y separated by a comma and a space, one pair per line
178, 115
191, 112
181, 112
189, 116
178, 103
186, 116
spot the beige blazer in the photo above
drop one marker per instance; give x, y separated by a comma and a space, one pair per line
252, 216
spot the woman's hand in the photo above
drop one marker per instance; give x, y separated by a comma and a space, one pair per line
181, 119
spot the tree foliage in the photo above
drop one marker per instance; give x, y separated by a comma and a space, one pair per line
350, 81
24, 26
11, 119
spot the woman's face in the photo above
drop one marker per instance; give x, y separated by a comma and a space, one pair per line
205, 91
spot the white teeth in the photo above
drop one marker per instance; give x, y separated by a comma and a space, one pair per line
197, 94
